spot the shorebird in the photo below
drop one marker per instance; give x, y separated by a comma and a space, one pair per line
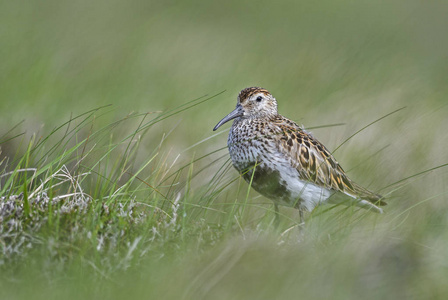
286, 163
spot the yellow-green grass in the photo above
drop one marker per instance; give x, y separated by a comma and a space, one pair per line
118, 99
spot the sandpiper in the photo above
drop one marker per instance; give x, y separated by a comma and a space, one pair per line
284, 162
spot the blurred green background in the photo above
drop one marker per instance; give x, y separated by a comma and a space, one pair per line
319, 59
326, 62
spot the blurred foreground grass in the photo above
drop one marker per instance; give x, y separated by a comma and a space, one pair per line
88, 217
116, 203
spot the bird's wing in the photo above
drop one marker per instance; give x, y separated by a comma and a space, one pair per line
315, 163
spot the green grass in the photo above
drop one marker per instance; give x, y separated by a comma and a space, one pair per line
114, 186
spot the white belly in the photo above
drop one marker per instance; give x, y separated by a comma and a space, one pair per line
305, 193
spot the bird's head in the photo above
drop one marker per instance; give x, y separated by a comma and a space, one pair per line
253, 102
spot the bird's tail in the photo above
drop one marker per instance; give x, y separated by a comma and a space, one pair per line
360, 197
368, 199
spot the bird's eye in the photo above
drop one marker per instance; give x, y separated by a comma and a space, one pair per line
259, 98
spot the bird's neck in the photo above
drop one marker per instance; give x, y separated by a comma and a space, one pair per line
261, 116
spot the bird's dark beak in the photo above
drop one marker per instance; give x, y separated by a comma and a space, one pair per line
237, 112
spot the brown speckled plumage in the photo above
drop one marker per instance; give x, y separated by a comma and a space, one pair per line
285, 162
